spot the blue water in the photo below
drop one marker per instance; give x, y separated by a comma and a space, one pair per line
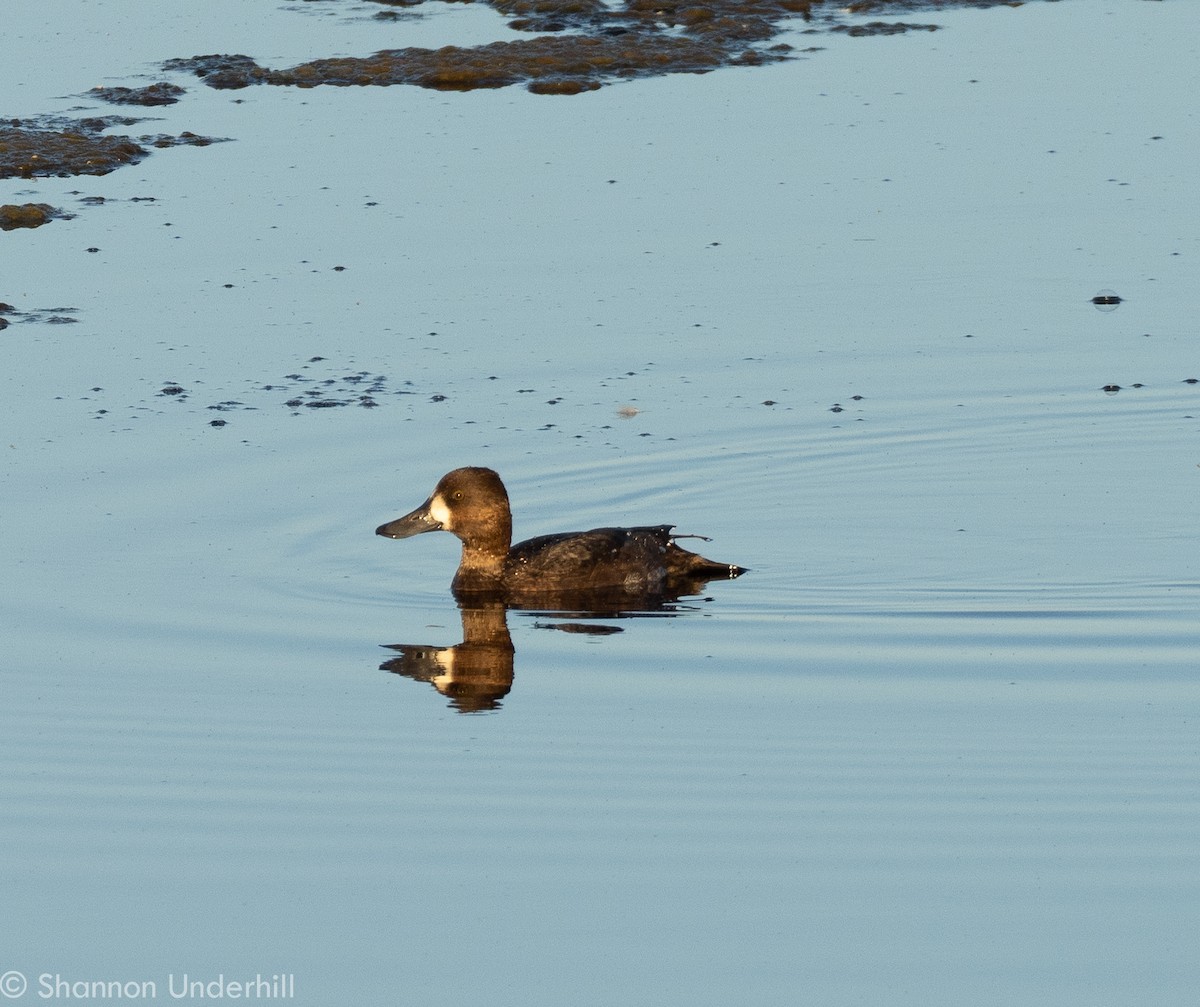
938, 746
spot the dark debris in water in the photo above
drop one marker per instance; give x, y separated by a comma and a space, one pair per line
161, 93
52, 146
581, 628
15, 215
48, 316
548, 64
30, 149
580, 45
184, 139
298, 392
1112, 389
881, 28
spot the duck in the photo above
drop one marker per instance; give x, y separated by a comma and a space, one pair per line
618, 564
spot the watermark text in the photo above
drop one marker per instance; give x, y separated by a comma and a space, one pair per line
16, 985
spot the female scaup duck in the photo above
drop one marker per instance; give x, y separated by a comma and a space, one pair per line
473, 504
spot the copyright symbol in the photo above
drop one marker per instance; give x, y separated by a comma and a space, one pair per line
12, 984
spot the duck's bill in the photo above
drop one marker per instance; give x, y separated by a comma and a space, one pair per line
412, 524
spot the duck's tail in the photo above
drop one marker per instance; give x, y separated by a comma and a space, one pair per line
681, 563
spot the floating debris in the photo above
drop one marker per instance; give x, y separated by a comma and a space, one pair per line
48, 316
29, 150
579, 45
13, 216
161, 93
872, 28
54, 146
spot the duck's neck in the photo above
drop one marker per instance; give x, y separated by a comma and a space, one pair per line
484, 555
479, 566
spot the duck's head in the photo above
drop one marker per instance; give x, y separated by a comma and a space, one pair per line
468, 502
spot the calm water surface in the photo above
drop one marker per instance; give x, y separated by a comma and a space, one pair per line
939, 746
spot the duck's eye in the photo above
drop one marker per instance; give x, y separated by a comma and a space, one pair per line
456, 495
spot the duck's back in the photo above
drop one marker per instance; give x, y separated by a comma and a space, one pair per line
628, 559
633, 559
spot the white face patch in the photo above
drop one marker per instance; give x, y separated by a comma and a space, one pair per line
439, 511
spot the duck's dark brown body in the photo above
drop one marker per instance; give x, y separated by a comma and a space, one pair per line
472, 504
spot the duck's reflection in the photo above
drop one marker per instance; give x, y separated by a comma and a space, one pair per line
476, 674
